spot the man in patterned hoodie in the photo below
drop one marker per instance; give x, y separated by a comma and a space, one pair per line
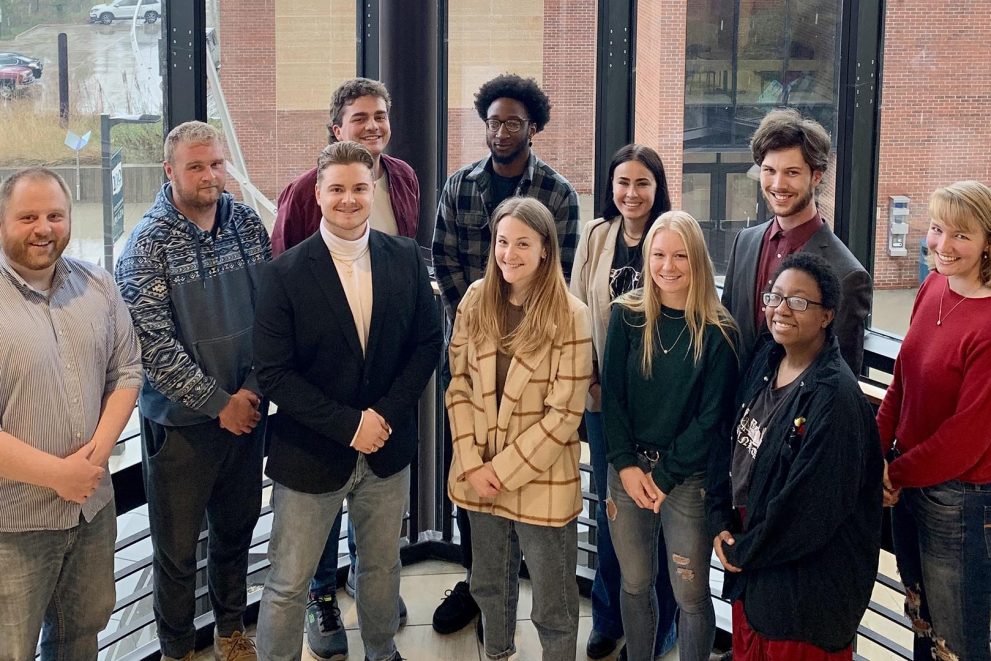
189, 274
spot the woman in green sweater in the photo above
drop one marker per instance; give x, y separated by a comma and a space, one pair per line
667, 391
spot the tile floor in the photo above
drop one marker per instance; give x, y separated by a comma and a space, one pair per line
423, 587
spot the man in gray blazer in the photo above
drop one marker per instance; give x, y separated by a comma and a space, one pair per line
792, 153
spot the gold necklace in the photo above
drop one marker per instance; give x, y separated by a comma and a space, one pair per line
677, 339
348, 264
627, 234
940, 317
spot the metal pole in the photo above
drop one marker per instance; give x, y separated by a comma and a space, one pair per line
63, 83
408, 66
108, 212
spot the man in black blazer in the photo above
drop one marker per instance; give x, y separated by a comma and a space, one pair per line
347, 334
793, 153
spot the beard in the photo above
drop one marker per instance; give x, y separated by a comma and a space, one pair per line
510, 157
197, 198
798, 203
32, 258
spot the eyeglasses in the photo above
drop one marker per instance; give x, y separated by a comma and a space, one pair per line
512, 125
796, 303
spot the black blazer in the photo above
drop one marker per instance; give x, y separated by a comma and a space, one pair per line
309, 360
856, 291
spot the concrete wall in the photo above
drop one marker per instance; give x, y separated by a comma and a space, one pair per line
141, 182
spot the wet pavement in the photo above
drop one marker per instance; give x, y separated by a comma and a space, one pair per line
110, 69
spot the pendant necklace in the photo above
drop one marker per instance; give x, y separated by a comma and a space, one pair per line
348, 264
677, 339
940, 317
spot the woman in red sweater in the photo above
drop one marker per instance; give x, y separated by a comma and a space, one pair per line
935, 425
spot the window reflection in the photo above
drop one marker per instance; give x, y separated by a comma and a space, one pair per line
743, 58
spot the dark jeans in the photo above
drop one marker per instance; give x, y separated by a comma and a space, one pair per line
190, 472
606, 617
942, 539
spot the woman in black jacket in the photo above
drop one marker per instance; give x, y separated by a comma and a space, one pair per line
794, 506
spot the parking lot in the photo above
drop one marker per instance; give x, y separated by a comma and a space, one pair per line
109, 71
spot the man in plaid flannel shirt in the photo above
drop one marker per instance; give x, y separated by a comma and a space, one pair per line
514, 109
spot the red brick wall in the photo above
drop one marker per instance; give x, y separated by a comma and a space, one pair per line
247, 74
277, 144
568, 142
660, 85
935, 122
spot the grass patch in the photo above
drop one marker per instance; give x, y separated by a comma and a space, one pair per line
21, 15
31, 138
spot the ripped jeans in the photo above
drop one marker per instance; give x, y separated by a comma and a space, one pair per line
635, 534
942, 538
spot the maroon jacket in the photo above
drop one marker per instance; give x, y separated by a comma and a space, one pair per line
299, 214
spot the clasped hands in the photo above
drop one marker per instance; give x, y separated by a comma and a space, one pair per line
241, 415
640, 487
373, 432
484, 481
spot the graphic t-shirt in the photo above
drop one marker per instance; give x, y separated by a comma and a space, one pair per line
750, 434
627, 264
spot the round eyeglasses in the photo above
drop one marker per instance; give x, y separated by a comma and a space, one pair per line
512, 125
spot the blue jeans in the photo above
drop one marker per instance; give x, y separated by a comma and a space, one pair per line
300, 525
552, 559
324, 580
942, 543
191, 472
606, 616
636, 534
59, 583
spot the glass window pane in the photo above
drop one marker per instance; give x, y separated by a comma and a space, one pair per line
552, 42
936, 89
113, 76
741, 59
280, 62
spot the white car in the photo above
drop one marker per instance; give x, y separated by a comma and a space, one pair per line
119, 10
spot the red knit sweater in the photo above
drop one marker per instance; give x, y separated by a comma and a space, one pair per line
939, 404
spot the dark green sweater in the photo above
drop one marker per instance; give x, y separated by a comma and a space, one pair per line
680, 409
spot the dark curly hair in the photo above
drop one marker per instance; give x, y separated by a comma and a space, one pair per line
524, 90
819, 270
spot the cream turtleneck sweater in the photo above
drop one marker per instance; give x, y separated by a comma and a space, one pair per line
354, 267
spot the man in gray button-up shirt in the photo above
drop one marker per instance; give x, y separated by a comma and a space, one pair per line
69, 376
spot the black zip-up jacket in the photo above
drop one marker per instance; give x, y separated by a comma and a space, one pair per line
809, 553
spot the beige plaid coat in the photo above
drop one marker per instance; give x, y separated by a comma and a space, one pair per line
531, 435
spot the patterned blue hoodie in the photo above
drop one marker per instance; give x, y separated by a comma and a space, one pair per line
191, 294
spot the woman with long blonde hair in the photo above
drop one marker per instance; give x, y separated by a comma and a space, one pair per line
521, 360
667, 391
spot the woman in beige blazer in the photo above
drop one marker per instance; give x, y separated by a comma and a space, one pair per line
521, 360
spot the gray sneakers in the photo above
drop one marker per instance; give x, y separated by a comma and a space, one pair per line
326, 637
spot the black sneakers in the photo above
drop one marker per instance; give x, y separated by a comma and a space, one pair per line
599, 646
456, 611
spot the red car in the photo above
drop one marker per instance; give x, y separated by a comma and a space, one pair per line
34, 64
14, 79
